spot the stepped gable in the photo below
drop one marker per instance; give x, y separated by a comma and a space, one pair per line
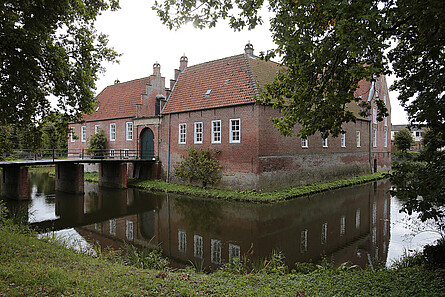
119, 100
218, 83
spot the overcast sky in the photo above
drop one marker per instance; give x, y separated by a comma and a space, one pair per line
136, 32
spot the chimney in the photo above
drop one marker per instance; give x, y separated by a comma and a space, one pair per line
248, 49
157, 69
183, 63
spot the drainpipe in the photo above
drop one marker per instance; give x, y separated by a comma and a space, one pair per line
371, 94
168, 152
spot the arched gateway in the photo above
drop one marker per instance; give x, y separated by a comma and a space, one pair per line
147, 144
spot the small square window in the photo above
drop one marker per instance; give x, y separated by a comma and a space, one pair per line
235, 131
182, 133
112, 132
129, 130
304, 143
198, 132
83, 133
73, 134
216, 131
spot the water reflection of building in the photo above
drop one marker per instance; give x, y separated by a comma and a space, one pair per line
349, 224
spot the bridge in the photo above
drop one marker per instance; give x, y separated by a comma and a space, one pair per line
69, 167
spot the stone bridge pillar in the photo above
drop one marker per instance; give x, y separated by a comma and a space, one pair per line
15, 182
69, 178
113, 175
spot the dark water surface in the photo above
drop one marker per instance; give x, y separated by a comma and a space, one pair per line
360, 224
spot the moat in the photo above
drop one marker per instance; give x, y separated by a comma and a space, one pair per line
360, 224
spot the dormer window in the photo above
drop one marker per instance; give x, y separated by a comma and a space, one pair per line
207, 93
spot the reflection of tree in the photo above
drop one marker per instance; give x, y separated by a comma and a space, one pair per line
92, 202
40, 178
199, 214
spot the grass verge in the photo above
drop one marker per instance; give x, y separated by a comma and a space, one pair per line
34, 267
252, 196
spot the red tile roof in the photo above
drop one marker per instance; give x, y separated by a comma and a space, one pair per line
231, 81
119, 100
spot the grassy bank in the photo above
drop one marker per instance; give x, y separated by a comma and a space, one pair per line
252, 196
33, 267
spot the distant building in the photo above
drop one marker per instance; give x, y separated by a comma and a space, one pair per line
417, 136
213, 105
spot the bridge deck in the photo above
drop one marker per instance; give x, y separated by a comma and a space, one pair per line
73, 161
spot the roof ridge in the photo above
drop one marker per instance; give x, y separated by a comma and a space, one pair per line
220, 59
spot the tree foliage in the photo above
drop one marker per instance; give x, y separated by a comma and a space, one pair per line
403, 139
50, 48
97, 144
199, 165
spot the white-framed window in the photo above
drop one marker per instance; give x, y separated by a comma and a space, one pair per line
384, 99
374, 138
197, 246
418, 134
325, 142
182, 241
342, 225
112, 132
112, 153
126, 153
357, 218
83, 133
112, 223
358, 138
324, 233
385, 121
304, 143
385, 138
129, 230
198, 132
129, 130
215, 251
182, 133
343, 140
73, 138
96, 129
235, 131
303, 241
374, 115
216, 131
234, 252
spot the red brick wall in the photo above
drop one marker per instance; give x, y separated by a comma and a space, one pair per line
264, 159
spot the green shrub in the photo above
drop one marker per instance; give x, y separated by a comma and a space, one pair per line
97, 145
199, 165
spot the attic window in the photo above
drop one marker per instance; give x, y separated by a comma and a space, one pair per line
97, 109
208, 93
227, 81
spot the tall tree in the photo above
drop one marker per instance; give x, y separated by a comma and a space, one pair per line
328, 46
50, 47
